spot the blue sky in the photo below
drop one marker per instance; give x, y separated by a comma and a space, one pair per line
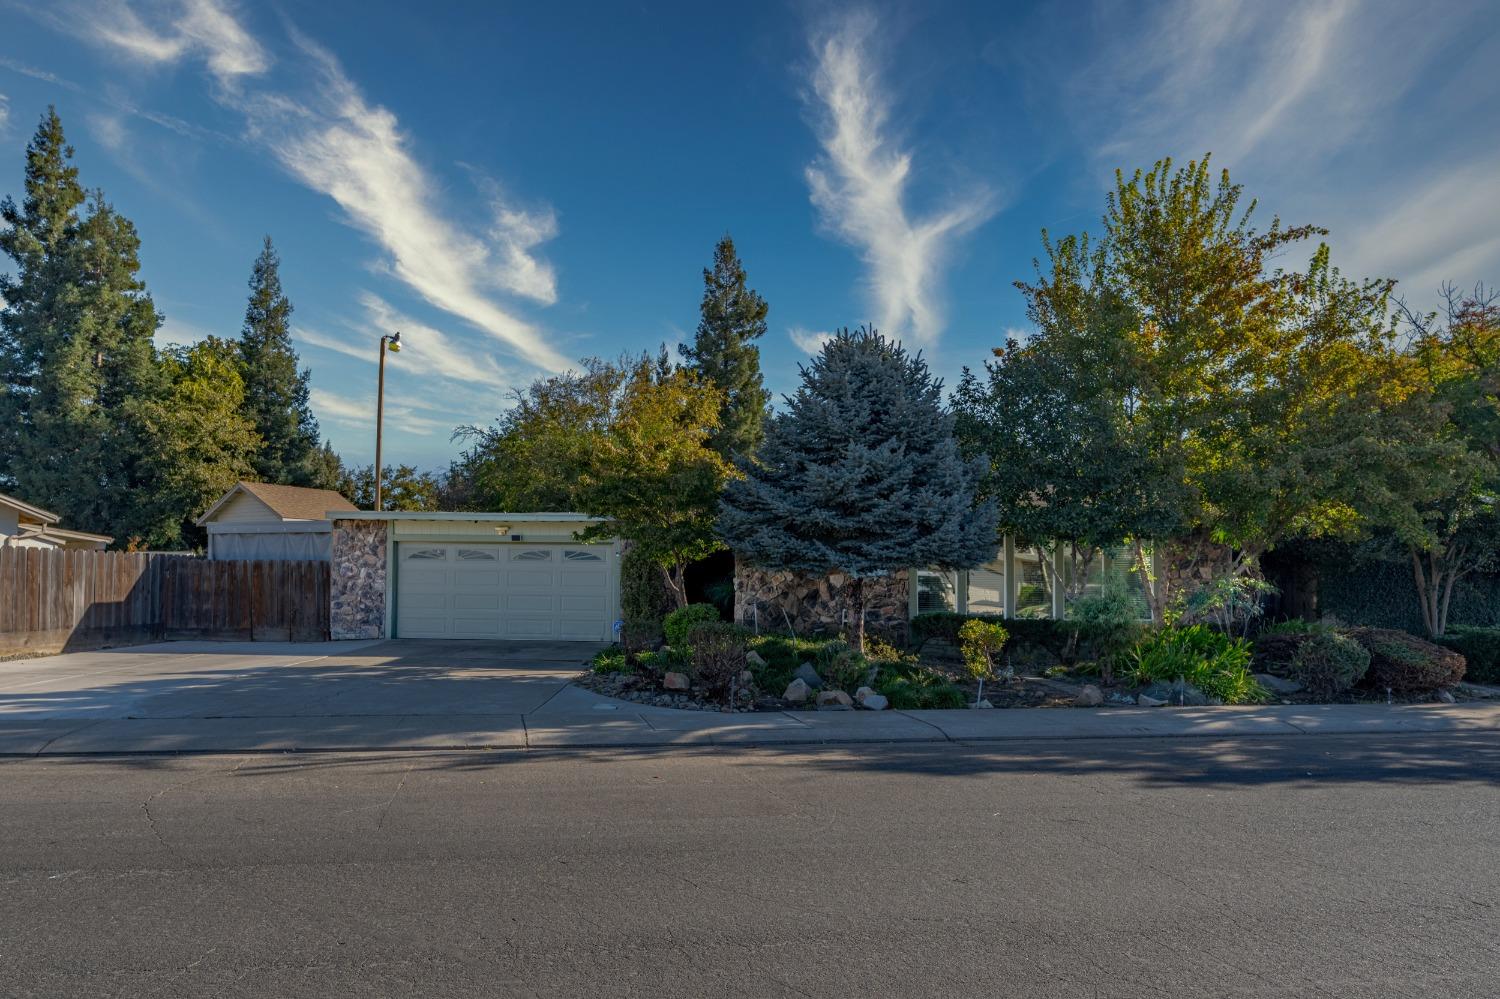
515, 186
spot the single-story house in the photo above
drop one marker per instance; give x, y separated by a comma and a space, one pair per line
25, 526
256, 520
471, 575
525, 576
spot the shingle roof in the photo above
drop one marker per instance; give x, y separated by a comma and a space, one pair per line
289, 502
34, 513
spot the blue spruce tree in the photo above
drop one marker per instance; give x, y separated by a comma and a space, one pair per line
860, 475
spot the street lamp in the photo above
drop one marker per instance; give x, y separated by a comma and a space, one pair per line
394, 342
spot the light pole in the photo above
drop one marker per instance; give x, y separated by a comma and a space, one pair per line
395, 345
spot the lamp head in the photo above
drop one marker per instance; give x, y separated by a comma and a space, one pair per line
395, 344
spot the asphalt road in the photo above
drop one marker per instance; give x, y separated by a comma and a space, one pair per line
1307, 866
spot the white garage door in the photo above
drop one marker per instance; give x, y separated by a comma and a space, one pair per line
537, 591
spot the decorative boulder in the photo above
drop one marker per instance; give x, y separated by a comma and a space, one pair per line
797, 691
1184, 694
809, 676
676, 681
870, 700
1089, 696
834, 700
754, 659
1278, 684
982, 704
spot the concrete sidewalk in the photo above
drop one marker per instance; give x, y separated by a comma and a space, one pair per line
575, 718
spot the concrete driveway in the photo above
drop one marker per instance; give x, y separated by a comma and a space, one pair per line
198, 696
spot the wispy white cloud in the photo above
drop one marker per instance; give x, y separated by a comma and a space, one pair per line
1445, 228
861, 184
204, 28
333, 140
808, 341
176, 333
360, 413
4, 112
425, 350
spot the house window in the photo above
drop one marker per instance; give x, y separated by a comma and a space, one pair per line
475, 555
532, 555
573, 555
427, 553
987, 588
936, 591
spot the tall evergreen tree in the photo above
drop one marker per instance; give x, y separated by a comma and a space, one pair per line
276, 393
861, 475
723, 352
76, 346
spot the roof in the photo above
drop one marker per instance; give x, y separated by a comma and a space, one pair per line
33, 513
474, 517
65, 535
287, 502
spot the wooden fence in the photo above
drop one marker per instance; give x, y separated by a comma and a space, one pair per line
53, 601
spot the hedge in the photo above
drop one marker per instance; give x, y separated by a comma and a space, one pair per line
1480, 646
1361, 589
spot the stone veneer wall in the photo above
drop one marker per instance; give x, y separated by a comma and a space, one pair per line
358, 579
814, 605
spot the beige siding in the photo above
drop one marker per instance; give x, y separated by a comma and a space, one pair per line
529, 530
245, 509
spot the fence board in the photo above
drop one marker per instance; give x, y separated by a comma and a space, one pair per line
53, 601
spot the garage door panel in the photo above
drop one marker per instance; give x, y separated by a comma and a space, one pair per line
500, 590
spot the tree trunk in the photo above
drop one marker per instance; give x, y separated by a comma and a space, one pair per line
1155, 589
1427, 590
856, 604
676, 584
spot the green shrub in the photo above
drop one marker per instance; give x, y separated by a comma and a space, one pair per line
718, 656
1480, 648
667, 660
1295, 626
782, 656
611, 660
681, 621
840, 666
1327, 663
912, 688
979, 642
1109, 621
1406, 664
644, 600
1210, 660
1033, 641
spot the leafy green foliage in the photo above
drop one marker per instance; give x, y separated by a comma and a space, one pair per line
611, 660
1215, 663
979, 643
1406, 664
1111, 619
1480, 647
623, 442
644, 600
723, 354
1327, 663
912, 688
679, 624
860, 475
402, 488
782, 656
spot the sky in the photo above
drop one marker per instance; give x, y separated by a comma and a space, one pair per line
516, 186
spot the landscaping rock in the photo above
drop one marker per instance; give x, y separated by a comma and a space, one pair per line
870, 700
747, 679
676, 681
1278, 684
1115, 697
982, 704
1147, 701
1173, 693
797, 691
1445, 696
1089, 697
753, 658
809, 676
834, 700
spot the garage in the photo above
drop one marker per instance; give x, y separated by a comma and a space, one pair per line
561, 592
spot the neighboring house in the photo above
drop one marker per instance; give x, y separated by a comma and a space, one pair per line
255, 520
472, 575
25, 526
